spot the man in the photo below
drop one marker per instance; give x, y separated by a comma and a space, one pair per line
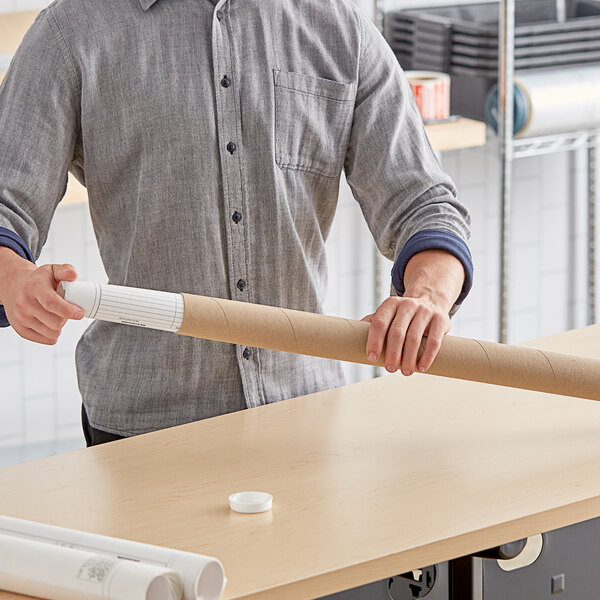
211, 135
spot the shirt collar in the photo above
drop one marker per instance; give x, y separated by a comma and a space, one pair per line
146, 4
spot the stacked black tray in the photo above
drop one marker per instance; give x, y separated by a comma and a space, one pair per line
463, 41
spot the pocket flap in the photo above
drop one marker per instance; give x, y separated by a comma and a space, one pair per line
315, 86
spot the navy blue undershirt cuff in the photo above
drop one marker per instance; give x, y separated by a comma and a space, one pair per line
434, 239
11, 240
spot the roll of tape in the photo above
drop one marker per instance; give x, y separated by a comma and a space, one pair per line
431, 91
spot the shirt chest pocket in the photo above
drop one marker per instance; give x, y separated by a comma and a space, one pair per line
313, 118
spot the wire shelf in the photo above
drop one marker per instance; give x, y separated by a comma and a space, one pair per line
549, 144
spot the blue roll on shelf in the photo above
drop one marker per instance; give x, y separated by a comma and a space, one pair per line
520, 113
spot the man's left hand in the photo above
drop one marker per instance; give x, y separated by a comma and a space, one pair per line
433, 280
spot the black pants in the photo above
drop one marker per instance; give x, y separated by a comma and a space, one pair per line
94, 436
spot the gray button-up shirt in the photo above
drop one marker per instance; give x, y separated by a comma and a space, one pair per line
211, 137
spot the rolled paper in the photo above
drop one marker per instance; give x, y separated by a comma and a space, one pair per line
336, 338
345, 339
54, 572
201, 577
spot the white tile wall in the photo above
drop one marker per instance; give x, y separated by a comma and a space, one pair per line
12, 405
40, 403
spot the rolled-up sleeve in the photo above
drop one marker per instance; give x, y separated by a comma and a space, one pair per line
392, 170
39, 116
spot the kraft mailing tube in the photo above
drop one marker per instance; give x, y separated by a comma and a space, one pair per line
336, 338
345, 339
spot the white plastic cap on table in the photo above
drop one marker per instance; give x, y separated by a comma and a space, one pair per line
250, 502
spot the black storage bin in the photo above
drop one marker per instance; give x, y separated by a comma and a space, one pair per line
532, 18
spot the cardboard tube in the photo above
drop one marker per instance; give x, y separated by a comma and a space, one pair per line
300, 332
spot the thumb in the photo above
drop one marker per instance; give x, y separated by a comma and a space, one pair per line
63, 273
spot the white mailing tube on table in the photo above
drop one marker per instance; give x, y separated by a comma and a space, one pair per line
202, 577
61, 573
335, 338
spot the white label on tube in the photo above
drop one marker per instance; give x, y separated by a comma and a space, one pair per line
127, 305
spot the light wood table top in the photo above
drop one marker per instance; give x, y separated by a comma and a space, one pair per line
369, 480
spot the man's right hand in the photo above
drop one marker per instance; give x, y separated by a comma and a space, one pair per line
28, 293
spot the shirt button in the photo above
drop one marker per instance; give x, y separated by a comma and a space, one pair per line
241, 284
219, 14
231, 147
225, 82
246, 353
236, 216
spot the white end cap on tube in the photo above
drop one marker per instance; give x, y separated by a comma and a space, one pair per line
81, 293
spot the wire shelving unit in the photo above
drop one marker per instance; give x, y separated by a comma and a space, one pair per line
511, 149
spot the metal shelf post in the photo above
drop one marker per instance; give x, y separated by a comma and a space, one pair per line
591, 164
379, 12
378, 7
505, 122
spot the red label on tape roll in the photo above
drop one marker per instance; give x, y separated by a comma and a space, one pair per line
431, 91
